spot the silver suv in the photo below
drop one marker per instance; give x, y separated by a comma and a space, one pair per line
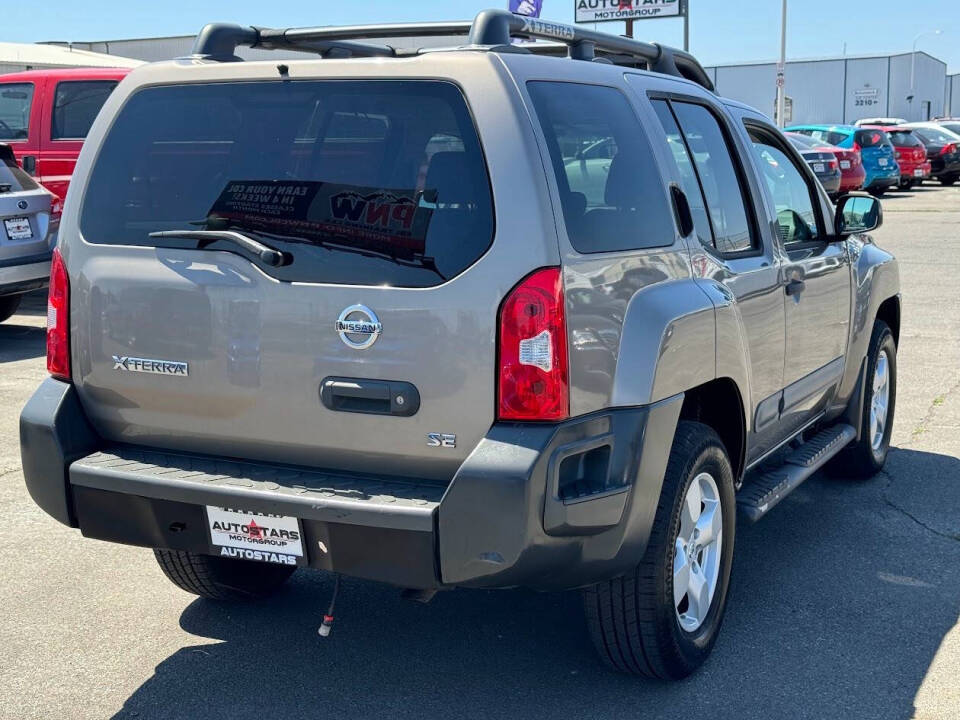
29, 218
489, 316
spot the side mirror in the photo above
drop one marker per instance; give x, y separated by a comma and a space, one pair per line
858, 213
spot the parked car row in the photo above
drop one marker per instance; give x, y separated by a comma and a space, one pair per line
882, 152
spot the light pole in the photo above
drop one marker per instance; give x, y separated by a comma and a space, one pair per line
913, 65
781, 90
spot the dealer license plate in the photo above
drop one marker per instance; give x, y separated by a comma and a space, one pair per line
918, 172
882, 162
844, 164
818, 167
255, 536
18, 228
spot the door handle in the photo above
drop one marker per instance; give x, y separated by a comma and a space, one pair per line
794, 287
30, 164
374, 397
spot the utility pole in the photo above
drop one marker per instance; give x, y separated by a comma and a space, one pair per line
629, 22
685, 9
781, 90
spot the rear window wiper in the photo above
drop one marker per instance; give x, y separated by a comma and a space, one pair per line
266, 254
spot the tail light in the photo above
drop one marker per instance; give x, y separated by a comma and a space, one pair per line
58, 319
56, 211
949, 149
533, 381
833, 164
856, 147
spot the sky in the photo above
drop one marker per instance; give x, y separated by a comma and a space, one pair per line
720, 31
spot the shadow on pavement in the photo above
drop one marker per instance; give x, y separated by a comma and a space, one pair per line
839, 602
21, 342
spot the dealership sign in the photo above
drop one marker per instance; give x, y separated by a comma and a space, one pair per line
588, 11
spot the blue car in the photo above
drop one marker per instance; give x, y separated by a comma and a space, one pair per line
876, 150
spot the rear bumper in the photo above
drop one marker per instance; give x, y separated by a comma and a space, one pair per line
21, 278
500, 522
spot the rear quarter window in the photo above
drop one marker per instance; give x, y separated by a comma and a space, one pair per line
611, 192
360, 182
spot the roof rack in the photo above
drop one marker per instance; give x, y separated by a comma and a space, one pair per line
490, 30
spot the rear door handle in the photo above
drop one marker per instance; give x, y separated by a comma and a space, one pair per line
794, 287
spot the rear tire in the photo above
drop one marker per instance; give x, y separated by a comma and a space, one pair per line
219, 578
877, 191
948, 181
636, 625
865, 457
9, 305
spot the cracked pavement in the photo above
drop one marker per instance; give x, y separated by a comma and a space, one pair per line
844, 601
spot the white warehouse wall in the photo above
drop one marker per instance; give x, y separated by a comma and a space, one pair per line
842, 90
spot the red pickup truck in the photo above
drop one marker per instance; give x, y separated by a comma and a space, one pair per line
45, 116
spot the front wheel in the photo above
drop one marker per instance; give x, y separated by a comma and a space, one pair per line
865, 457
948, 181
662, 619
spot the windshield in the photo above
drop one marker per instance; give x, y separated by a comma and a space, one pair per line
904, 138
15, 101
359, 182
935, 136
871, 138
12, 178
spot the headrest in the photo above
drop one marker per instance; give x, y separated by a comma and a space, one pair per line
623, 190
450, 175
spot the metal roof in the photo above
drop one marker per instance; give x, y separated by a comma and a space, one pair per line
40, 56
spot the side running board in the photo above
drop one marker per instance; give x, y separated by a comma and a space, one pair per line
765, 490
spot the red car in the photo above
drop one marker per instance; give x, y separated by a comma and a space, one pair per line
45, 116
852, 174
911, 155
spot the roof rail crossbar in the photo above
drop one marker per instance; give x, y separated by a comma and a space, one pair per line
491, 29
496, 27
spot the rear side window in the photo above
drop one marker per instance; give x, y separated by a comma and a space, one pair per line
871, 138
75, 107
15, 102
360, 182
718, 177
12, 178
611, 191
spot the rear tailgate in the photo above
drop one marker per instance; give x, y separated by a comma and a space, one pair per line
379, 195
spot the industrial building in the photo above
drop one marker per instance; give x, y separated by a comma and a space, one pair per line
826, 90
842, 90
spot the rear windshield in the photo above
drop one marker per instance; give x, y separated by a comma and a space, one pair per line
936, 137
871, 138
904, 138
15, 100
12, 178
953, 127
359, 182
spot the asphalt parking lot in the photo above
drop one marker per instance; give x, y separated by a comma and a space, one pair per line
844, 603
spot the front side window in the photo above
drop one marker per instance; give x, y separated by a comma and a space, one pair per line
719, 179
611, 192
793, 197
15, 102
358, 182
75, 107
